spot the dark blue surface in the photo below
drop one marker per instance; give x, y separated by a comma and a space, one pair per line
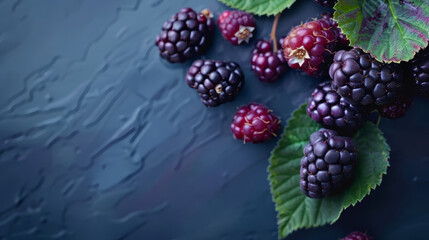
101, 139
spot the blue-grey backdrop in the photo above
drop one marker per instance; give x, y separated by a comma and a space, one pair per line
101, 139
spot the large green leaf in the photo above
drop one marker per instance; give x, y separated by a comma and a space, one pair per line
260, 7
295, 210
391, 30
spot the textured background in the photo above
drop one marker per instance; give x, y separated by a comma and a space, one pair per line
100, 139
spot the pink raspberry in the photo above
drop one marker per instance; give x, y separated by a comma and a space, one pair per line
236, 26
254, 123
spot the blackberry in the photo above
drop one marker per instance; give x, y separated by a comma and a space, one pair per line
185, 35
310, 47
236, 26
326, 3
397, 108
342, 41
419, 67
327, 165
266, 64
254, 123
360, 79
357, 236
328, 108
216, 82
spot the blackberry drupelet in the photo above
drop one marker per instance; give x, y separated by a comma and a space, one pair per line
185, 35
236, 26
357, 236
310, 47
360, 79
328, 108
216, 82
327, 165
254, 123
266, 64
419, 67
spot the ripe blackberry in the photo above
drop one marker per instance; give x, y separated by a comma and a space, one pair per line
216, 82
360, 79
397, 108
327, 165
328, 108
342, 41
326, 3
254, 123
310, 47
357, 236
236, 26
185, 35
420, 71
266, 64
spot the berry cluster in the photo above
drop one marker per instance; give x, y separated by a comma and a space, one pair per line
360, 84
187, 34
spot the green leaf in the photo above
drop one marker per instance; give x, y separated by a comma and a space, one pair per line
260, 7
295, 210
391, 30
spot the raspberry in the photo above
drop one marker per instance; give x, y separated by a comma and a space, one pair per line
326, 3
397, 108
328, 108
342, 41
327, 165
185, 35
360, 79
357, 236
266, 64
236, 26
216, 82
310, 47
254, 123
420, 71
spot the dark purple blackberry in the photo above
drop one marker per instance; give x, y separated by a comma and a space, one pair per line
397, 108
185, 35
420, 71
342, 41
216, 82
266, 64
360, 79
357, 236
326, 3
327, 165
328, 108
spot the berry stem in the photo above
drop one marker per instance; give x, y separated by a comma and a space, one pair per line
273, 31
378, 120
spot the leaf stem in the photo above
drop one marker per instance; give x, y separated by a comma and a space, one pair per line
273, 31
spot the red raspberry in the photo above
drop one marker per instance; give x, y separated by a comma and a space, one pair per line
254, 123
266, 64
357, 236
236, 26
310, 47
